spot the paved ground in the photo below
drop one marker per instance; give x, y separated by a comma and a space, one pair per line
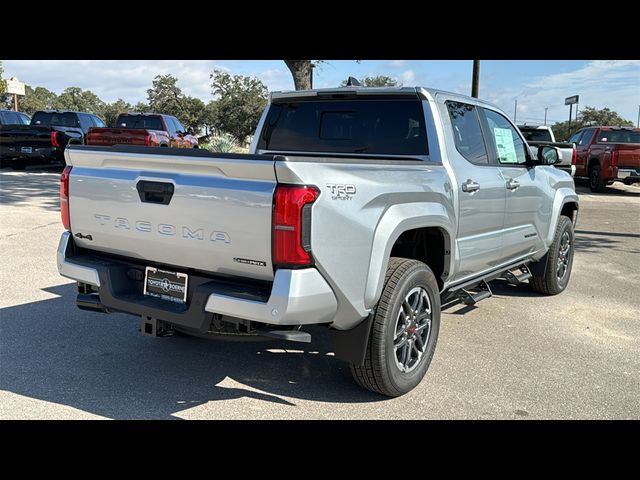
518, 355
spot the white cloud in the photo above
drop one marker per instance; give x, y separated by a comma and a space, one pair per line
408, 76
396, 63
130, 79
600, 83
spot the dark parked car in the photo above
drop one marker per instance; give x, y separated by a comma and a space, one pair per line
9, 117
46, 137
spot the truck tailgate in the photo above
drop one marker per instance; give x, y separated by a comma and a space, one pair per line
116, 136
25, 136
628, 155
183, 208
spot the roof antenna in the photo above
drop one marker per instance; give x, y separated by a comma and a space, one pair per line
353, 82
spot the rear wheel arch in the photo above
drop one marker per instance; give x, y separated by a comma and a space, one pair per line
433, 225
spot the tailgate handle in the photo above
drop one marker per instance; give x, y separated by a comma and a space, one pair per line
155, 192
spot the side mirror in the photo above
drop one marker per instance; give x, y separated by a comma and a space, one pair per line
548, 155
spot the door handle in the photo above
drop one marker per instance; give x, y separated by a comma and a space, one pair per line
512, 184
470, 186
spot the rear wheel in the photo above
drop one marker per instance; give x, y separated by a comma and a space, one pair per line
404, 331
18, 164
596, 184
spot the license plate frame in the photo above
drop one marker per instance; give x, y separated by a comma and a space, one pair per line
166, 284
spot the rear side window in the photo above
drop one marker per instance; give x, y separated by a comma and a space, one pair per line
383, 127
139, 121
535, 134
619, 136
467, 133
55, 119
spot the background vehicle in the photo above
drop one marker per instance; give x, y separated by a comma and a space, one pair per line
149, 129
45, 138
543, 135
607, 154
9, 117
359, 209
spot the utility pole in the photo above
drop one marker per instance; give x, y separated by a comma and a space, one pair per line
638, 125
515, 111
15, 102
570, 112
475, 81
545, 115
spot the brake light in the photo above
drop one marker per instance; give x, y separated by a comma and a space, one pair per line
574, 156
147, 140
614, 158
292, 224
64, 197
54, 139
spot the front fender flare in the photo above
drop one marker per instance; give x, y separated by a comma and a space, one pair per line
396, 220
563, 196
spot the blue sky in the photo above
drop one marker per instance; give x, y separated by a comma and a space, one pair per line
535, 83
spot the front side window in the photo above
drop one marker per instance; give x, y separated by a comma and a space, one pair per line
98, 122
576, 137
378, 127
179, 127
586, 137
509, 147
24, 119
467, 133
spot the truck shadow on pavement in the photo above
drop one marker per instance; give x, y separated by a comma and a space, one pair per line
97, 363
41, 190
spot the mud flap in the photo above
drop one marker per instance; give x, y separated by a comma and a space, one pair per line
351, 345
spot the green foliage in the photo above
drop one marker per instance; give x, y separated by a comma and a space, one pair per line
35, 99
112, 110
377, 81
240, 104
166, 97
3, 85
223, 143
142, 107
588, 116
76, 99
209, 116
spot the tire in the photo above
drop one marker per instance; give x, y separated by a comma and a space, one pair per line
18, 164
596, 183
385, 370
548, 280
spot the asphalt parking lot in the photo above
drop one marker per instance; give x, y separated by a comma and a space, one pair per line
517, 355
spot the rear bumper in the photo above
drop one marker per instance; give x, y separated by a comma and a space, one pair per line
297, 297
37, 153
628, 173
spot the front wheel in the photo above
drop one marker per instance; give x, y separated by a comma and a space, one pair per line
404, 332
554, 276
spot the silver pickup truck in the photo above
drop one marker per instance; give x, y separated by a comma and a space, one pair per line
362, 210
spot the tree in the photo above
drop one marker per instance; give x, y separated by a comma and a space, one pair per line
302, 72
193, 113
240, 104
74, 98
377, 81
35, 99
142, 107
589, 116
3, 85
112, 110
165, 96
209, 117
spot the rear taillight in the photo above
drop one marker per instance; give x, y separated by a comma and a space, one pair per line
64, 197
54, 139
574, 156
147, 140
614, 158
292, 225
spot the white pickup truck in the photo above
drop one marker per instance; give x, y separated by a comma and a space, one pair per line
537, 136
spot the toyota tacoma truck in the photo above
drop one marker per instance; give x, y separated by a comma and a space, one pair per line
537, 136
45, 138
149, 129
362, 210
607, 154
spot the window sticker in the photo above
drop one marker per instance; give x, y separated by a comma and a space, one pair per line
505, 146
